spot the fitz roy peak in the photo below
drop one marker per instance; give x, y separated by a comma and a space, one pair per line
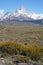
21, 15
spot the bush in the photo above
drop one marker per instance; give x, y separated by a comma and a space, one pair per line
22, 58
10, 47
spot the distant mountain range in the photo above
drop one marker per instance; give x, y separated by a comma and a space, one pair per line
21, 15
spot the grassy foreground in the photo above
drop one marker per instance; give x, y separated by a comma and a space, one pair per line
21, 42
32, 51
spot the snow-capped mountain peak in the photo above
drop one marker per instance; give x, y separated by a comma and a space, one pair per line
20, 14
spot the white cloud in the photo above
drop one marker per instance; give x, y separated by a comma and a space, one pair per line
1, 13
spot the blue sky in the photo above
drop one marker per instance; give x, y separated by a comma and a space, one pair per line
32, 5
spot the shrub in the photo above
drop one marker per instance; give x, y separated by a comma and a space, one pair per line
22, 58
10, 47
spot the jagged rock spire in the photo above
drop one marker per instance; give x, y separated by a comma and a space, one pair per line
22, 8
16, 10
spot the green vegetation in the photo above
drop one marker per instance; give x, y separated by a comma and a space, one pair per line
33, 51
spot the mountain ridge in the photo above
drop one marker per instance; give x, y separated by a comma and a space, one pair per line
21, 15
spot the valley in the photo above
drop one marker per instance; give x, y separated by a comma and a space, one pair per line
21, 32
